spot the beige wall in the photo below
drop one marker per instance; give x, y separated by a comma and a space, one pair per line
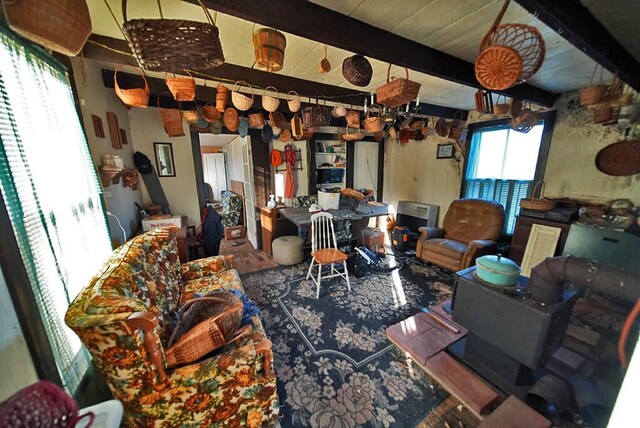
412, 172
147, 128
16, 366
98, 100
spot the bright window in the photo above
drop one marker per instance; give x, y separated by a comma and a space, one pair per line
502, 165
51, 191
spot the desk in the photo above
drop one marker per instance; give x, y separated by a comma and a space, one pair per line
301, 217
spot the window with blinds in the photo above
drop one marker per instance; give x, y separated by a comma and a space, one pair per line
501, 167
51, 191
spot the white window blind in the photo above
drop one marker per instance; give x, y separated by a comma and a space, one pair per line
51, 191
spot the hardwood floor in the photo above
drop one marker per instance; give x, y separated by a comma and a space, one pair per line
246, 258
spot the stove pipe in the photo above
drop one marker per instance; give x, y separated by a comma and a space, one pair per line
547, 279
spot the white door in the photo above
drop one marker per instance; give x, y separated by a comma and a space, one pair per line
365, 165
249, 200
214, 172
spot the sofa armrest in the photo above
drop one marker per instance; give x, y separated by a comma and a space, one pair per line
205, 267
475, 249
147, 322
428, 233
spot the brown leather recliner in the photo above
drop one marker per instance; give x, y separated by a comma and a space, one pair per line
470, 229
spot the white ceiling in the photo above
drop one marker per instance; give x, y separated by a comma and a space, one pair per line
453, 26
216, 140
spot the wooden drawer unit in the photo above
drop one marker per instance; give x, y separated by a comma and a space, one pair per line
523, 230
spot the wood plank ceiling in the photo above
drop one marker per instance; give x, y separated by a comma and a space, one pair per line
452, 26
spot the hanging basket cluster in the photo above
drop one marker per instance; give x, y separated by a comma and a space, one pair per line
509, 54
172, 45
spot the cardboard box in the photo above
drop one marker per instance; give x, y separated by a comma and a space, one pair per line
235, 232
329, 201
175, 221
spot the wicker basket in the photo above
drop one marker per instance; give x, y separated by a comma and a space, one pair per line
191, 116
357, 70
174, 44
62, 26
231, 119
136, 97
455, 129
239, 100
398, 91
353, 118
296, 127
294, 103
42, 404
509, 54
373, 123
268, 47
277, 119
515, 107
540, 203
285, 136
210, 113
182, 88
603, 114
256, 120
442, 127
315, 116
357, 135
222, 95
592, 94
172, 119
270, 103
204, 325
525, 121
499, 108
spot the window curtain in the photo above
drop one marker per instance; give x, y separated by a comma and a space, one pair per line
51, 190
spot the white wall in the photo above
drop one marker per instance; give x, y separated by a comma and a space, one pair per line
98, 100
147, 128
16, 366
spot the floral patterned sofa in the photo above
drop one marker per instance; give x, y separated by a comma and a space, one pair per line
124, 318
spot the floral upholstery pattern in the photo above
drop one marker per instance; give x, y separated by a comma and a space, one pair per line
231, 388
231, 208
304, 201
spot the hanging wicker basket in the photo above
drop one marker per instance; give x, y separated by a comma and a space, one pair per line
191, 116
296, 127
540, 203
316, 115
256, 120
135, 97
172, 45
373, 122
172, 119
353, 118
269, 102
222, 95
239, 100
501, 108
210, 113
455, 129
442, 127
268, 47
525, 121
62, 26
294, 103
397, 92
357, 134
182, 88
231, 119
592, 94
509, 54
357, 70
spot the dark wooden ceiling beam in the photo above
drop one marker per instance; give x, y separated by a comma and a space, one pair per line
578, 26
314, 22
110, 49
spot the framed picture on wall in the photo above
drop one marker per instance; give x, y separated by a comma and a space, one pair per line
444, 151
164, 159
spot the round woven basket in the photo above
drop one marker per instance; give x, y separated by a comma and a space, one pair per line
357, 70
619, 159
285, 135
256, 120
268, 46
294, 103
135, 97
231, 119
540, 203
509, 54
182, 88
269, 102
210, 113
443, 127
239, 100
222, 95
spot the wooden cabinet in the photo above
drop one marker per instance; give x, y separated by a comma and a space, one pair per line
523, 230
274, 224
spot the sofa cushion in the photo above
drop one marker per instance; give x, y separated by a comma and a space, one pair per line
448, 248
226, 279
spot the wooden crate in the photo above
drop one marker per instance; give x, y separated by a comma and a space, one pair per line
235, 232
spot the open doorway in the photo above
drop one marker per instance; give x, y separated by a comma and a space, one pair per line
214, 165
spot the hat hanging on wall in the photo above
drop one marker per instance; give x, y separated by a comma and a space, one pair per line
143, 163
266, 133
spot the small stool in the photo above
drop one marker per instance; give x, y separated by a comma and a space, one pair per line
287, 250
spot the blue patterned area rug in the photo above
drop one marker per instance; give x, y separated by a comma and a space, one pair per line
334, 363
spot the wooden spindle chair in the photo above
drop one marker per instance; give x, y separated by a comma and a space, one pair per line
324, 250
